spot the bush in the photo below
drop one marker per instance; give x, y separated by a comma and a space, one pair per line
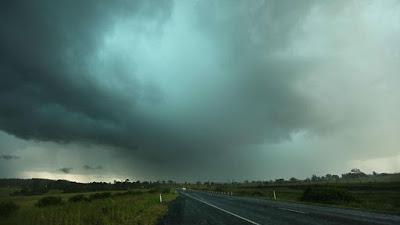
159, 190
165, 190
257, 193
128, 193
7, 208
219, 189
102, 195
78, 198
327, 195
49, 201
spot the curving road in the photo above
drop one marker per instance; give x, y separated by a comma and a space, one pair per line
194, 207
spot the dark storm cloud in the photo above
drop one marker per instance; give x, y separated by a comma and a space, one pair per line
52, 91
177, 86
46, 93
87, 167
66, 170
8, 157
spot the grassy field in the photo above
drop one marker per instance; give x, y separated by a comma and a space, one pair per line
372, 196
374, 200
135, 207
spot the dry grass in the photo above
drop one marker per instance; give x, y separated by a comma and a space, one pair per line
126, 209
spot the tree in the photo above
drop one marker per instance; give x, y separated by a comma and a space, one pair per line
280, 180
354, 173
315, 178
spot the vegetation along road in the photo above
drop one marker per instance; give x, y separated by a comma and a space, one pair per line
199, 207
134, 207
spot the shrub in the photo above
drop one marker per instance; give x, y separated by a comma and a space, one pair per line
327, 195
159, 190
78, 198
219, 189
165, 190
257, 193
134, 192
102, 195
7, 208
128, 193
153, 190
49, 201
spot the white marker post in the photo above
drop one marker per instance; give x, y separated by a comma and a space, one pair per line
160, 198
274, 195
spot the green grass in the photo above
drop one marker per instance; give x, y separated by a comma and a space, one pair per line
119, 209
5, 192
378, 197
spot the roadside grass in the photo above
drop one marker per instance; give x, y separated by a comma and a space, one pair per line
115, 208
329, 195
377, 197
5, 192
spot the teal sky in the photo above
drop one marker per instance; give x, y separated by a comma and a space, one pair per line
198, 90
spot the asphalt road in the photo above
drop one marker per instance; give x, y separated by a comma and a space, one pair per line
193, 207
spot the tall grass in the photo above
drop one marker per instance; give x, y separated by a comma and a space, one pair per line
125, 209
8, 208
49, 201
328, 195
379, 197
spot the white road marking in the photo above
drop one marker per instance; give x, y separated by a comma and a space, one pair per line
292, 210
223, 210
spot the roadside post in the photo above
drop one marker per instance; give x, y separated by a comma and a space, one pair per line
273, 191
160, 198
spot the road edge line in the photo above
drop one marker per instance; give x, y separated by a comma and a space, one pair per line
292, 210
223, 210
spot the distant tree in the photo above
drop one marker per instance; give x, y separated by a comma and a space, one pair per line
293, 179
330, 177
354, 173
335, 177
355, 170
315, 178
280, 180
